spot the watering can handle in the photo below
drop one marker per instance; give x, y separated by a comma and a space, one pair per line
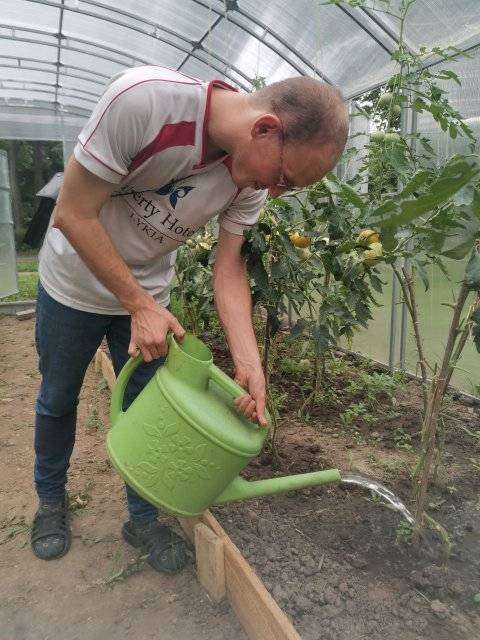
231, 387
120, 386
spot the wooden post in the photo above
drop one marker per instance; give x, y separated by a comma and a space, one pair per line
259, 614
210, 561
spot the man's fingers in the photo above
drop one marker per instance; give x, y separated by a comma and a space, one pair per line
133, 350
146, 355
177, 328
260, 409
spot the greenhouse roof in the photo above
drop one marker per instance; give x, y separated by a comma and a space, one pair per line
56, 55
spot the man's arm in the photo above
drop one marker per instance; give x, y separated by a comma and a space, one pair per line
76, 215
233, 302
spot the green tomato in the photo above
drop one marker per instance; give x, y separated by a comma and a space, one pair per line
392, 137
396, 109
304, 365
377, 136
385, 99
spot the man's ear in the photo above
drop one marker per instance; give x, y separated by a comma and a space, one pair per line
265, 125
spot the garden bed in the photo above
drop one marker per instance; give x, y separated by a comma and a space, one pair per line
335, 559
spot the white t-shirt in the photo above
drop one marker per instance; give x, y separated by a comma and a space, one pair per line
148, 135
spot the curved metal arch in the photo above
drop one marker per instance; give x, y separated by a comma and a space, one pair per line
351, 14
227, 14
69, 95
63, 111
193, 44
53, 85
63, 68
130, 58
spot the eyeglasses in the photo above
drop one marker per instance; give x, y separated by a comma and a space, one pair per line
283, 183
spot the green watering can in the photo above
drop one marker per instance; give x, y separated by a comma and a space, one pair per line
182, 443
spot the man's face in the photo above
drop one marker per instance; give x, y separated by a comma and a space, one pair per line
264, 162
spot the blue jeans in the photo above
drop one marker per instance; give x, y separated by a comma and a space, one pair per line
67, 340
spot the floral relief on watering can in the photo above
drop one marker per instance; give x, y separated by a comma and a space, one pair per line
172, 459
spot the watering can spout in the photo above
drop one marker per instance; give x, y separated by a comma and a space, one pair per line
240, 489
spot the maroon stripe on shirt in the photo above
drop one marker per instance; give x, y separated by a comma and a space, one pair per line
178, 134
221, 85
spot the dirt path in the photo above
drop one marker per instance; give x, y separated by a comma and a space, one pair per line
78, 596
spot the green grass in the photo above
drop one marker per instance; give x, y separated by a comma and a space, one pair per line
29, 265
27, 284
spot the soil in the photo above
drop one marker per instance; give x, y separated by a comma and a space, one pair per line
334, 557
99, 590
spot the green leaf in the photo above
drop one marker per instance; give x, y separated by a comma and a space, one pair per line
387, 207
426, 145
453, 177
459, 252
418, 179
422, 273
321, 338
298, 329
376, 283
343, 190
257, 271
345, 247
279, 269
446, 74
472, 272
453, 131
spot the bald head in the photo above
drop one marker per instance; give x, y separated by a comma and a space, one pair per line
312, 112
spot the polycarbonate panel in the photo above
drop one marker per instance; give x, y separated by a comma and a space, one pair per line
5, 206
122, 39
241, 51
438, 23
4, 177
8, 269
435, 318
101, 63
22, 13
27, 94
36, 124
375, 341
187, 18
205, 71
23, 49
326, 37
75, 83
27, 75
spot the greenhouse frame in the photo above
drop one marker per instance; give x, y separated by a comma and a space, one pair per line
57, 55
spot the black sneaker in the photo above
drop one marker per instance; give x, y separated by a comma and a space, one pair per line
167, 551
51, 536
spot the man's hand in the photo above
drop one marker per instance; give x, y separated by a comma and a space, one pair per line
252, 405
149, 328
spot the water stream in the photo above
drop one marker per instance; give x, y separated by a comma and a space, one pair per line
379, 489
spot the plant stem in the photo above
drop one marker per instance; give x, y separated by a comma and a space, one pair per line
436, 393
407, 283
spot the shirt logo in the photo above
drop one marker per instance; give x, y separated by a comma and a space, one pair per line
173, 192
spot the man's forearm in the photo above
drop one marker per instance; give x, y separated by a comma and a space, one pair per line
92, 243
233, 302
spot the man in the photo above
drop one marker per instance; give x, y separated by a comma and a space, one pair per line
161, 154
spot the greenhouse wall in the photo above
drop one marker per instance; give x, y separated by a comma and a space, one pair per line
8, 271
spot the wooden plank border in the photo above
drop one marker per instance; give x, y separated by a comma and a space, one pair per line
257, 611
